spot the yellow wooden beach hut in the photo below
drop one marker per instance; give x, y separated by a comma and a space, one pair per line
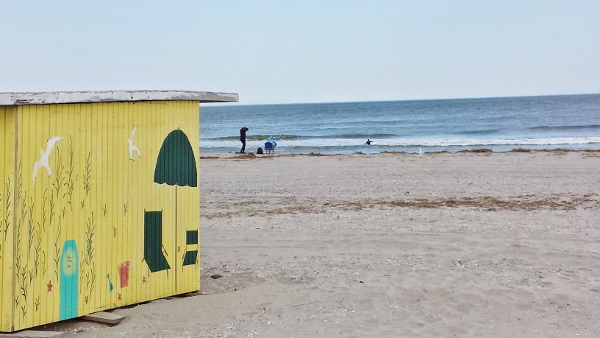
99, 201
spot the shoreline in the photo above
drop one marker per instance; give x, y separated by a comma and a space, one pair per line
556, 151
374, 149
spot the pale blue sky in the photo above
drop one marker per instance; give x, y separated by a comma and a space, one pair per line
279, 51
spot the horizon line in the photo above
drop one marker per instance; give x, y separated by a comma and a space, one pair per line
238, 104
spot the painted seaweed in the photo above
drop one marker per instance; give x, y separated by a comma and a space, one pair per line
90, 276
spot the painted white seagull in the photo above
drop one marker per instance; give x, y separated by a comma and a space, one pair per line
132, 146
45, 156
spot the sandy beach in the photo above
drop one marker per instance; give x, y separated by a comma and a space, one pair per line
389, 245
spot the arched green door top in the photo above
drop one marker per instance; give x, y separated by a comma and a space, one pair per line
176, 164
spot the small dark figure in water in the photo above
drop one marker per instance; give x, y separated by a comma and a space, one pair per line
368, 142
243, 138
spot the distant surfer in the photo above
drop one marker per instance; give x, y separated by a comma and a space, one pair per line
243, 138
368, 142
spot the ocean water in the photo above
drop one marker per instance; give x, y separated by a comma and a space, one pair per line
499, 124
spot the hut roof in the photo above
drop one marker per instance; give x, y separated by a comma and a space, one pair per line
31, 98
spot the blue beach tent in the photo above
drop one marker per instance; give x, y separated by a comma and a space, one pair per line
270, 146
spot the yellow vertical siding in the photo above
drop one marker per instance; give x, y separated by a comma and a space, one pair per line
79, 208
7, 146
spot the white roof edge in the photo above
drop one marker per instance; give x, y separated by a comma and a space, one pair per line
31, 98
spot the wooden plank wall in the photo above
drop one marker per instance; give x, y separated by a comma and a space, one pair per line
81, 196
7, 180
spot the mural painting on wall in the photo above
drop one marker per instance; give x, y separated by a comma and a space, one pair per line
30, 258
124, 273
175, 166
68, 265
110, 284
191, 256
56, 261
43, 162
41, 253
153, 247
132, 147
69, 281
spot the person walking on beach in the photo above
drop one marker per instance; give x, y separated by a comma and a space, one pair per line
243, 138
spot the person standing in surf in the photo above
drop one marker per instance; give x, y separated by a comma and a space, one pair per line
243, 138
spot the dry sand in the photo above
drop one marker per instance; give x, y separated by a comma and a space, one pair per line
389, 245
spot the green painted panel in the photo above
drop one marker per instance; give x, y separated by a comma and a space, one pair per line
190, 257
191, 237
176, 164
153, 241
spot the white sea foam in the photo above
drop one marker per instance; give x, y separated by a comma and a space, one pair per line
401, 142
